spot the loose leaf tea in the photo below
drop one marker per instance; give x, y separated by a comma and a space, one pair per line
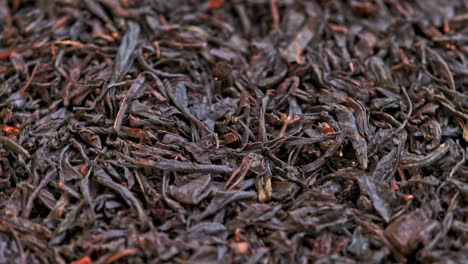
247, 131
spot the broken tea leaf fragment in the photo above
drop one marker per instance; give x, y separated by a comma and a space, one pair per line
407, 231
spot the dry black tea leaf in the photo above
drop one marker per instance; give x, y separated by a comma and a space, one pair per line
213, 131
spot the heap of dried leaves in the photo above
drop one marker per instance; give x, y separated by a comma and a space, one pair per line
255, 131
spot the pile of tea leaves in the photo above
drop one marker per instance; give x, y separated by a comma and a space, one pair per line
243, 131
